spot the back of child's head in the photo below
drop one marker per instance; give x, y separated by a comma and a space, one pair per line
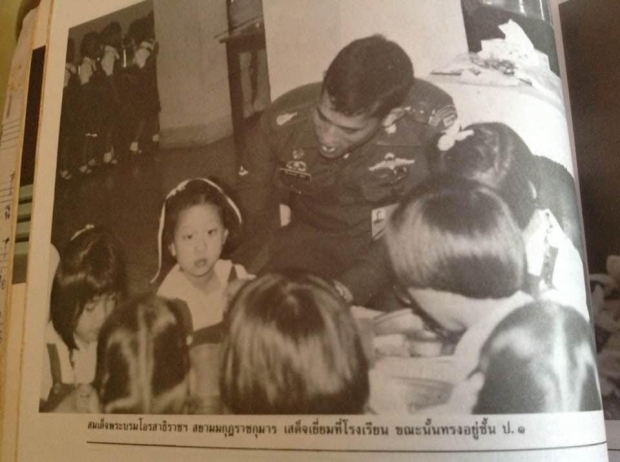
90, 45
458, 236
292, 348
539, 359
91, 266
495, 155
197, 191
143, 360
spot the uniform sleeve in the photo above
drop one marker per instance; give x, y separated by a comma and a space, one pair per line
369, 275
256, 170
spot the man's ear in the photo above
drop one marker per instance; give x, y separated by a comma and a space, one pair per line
172, 249
393, 116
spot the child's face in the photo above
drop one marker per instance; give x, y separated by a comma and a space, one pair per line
199, 238
92, 318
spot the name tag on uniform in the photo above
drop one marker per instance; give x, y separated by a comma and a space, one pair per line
379, 218
296, 174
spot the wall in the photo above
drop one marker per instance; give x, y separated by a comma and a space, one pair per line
304, 36
8, 17
192, 72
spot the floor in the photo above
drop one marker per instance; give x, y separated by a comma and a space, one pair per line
127, 198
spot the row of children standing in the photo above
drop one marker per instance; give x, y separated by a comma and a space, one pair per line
287, 343
110, 100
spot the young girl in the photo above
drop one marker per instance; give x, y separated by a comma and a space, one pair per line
459, 255
541, 195
198, 221
88, 282
292, 348
142, 360
519, 378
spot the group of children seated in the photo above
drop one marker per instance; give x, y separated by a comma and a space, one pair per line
486, 251
110, 99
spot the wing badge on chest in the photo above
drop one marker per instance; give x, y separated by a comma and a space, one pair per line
391, 163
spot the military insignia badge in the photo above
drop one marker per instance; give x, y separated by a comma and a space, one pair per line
443, 118
242, 171
390, 129
296, 168
285, 118
391, 162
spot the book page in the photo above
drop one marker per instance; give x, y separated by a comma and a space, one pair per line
589, 41
322, 230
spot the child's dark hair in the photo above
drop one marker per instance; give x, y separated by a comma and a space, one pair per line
457, 236
143, 359
292, 348
112, 34
495, 155
89, 46
91, 265
140, 30
540, 358
197, 191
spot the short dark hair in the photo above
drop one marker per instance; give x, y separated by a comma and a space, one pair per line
142, 357
495, 155
91, 265
293, 348
112, 34
457, 236
371, 75
522, 367
88, 45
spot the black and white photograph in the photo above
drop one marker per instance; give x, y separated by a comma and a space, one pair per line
341, 207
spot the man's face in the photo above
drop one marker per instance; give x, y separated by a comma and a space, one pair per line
340, 134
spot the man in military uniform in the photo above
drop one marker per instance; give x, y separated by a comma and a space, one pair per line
342, 154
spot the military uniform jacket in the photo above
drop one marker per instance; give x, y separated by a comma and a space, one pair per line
340, 195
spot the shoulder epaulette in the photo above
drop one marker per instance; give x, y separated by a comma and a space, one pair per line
429, 104
293, 107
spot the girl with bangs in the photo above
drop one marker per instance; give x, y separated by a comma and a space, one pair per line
88, 283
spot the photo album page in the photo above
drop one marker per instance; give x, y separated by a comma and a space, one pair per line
320, 229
